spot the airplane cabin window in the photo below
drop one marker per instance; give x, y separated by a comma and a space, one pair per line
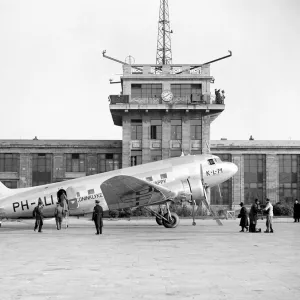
211, 161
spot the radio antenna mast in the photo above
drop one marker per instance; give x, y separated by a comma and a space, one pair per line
164, 53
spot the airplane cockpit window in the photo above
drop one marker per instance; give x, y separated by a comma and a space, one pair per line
211, 161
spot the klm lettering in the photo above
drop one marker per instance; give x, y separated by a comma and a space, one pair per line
214, 172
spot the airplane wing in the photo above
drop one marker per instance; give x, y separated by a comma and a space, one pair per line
123, 191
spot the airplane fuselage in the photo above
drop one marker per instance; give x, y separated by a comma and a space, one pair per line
171, 174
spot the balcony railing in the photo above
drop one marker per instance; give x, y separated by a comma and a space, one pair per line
166, 69
192, 99
116, 99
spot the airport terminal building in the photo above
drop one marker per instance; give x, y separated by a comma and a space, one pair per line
164, 111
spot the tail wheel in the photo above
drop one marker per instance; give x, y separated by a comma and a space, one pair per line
171, 223
159, 221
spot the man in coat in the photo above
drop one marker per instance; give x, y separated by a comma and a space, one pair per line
296, 211
244, 217
38, 214
97, 217
253, 216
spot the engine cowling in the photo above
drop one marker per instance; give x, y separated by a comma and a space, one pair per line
197, 189
192, 190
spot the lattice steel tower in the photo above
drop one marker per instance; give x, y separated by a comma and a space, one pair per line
164, 53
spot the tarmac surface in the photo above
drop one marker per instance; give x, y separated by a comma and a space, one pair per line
138, 259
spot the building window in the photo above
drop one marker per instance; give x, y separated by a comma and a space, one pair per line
136, 157
196, 130
156, 155
155, 130
225, 198
41, 168
11, 184
196, 152
108, 162
186, 90
288, 177
75, 162
175, 153
176, 129
9, 162
136, 129
254, 176
146, 90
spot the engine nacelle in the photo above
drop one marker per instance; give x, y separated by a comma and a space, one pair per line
197, 189
192, 190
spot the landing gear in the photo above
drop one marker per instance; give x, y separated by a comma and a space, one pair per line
159, 221
170, 220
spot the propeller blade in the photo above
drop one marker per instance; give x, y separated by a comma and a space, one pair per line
211, 211
193, 213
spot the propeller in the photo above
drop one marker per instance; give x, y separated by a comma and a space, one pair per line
205, 201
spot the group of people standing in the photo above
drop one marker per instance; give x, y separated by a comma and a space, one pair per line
250, 220
61, 212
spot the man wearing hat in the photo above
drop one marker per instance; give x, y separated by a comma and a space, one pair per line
38, 214
244, 217
97, 217
269, 210
253, 216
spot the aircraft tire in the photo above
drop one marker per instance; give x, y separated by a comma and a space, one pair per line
174, 223
159, 221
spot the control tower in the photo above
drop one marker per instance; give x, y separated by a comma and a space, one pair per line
164, 110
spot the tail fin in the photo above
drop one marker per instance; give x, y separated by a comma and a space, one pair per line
3, 189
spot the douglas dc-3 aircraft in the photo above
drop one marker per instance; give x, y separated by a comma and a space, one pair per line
173, 180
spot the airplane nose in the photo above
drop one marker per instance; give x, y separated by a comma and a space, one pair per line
232, 168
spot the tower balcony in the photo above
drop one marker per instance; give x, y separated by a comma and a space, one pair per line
123, 104
193, 99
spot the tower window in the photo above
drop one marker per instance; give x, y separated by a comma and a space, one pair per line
156, 130
176, 130
136, 129
196, 129
146, 90
136, 157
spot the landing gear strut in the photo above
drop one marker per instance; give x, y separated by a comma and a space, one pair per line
168, 219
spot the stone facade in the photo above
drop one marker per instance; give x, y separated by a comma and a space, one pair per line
237, 150
58, 150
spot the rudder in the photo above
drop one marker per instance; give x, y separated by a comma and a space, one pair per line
3, 189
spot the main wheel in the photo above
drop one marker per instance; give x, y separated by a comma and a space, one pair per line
159, 221
171, 223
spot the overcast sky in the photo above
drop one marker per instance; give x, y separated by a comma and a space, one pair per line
54, 82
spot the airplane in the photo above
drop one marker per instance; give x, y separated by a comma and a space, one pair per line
160, 183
